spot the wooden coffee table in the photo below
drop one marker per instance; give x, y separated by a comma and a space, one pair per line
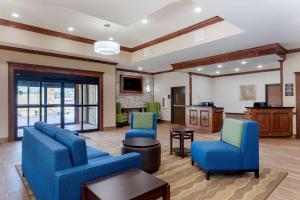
132, 184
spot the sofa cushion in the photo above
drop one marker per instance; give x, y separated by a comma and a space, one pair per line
40, 125
232, 132
76, 146
216, 155
143, 120
94, 153
133, 133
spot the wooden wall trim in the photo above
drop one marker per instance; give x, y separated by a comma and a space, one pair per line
13, 66
44, 31
199, 74
44, 53
178, 33
249, 72
293, 50
163, 72
133, 71
236, 55
36, 29
3, 140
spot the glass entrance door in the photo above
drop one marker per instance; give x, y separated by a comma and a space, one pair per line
73, 106
28, 104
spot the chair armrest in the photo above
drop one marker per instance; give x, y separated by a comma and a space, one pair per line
68, 182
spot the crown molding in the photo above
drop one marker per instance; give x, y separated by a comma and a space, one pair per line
249, 72
133, 71
199, 74
232, 56
180, 32
44, 31
36, 29
44, 53
293, 50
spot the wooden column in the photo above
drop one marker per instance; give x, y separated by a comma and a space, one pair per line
281, 81
297, 86
191, 88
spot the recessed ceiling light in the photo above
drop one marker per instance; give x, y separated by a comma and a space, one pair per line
111, 38
259, 66
199, 69
198, 9
71, 29
16, 15
140, 69
244, 62
236, 69
144, 21
220, 66
217, 72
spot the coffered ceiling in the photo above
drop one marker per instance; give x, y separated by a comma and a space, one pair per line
247, 24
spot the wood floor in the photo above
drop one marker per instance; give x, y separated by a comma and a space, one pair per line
282, 154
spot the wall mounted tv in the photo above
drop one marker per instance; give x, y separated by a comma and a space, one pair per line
131, 84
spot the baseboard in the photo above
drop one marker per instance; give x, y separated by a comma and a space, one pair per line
2, 140
165, 121
109, 128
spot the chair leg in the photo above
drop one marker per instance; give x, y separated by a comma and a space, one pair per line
193, 163
256, 172
207, 175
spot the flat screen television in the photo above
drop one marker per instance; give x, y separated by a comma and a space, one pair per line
131, 84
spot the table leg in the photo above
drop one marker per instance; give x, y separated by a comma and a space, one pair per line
192, 136
84, 195
171, 143
166, 192
182, 144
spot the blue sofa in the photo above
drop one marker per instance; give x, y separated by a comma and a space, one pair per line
142, 124
57, 162
238, 149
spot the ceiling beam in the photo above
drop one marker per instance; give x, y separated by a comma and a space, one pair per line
232, 56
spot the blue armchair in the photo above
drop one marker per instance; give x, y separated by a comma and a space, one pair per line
238, 149
142, 125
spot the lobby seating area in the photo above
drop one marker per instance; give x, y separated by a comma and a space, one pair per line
149, 100
56, 163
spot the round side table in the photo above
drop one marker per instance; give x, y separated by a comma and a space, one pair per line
181, 134
150, 150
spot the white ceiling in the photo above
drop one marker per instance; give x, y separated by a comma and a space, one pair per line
267, 62
263, 22
125, 16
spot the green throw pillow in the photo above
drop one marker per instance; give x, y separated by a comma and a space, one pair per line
143, 120
232, 132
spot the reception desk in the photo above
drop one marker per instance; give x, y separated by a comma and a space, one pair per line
273, 121
204, 119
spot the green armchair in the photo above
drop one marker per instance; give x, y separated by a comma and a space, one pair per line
121, 118
154, 107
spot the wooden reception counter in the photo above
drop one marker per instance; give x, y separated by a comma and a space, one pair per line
204, 119
273, 121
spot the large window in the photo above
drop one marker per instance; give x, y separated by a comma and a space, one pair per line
71, 103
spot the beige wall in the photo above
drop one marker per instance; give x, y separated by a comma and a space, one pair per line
162, 88
290, 66
109, 82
